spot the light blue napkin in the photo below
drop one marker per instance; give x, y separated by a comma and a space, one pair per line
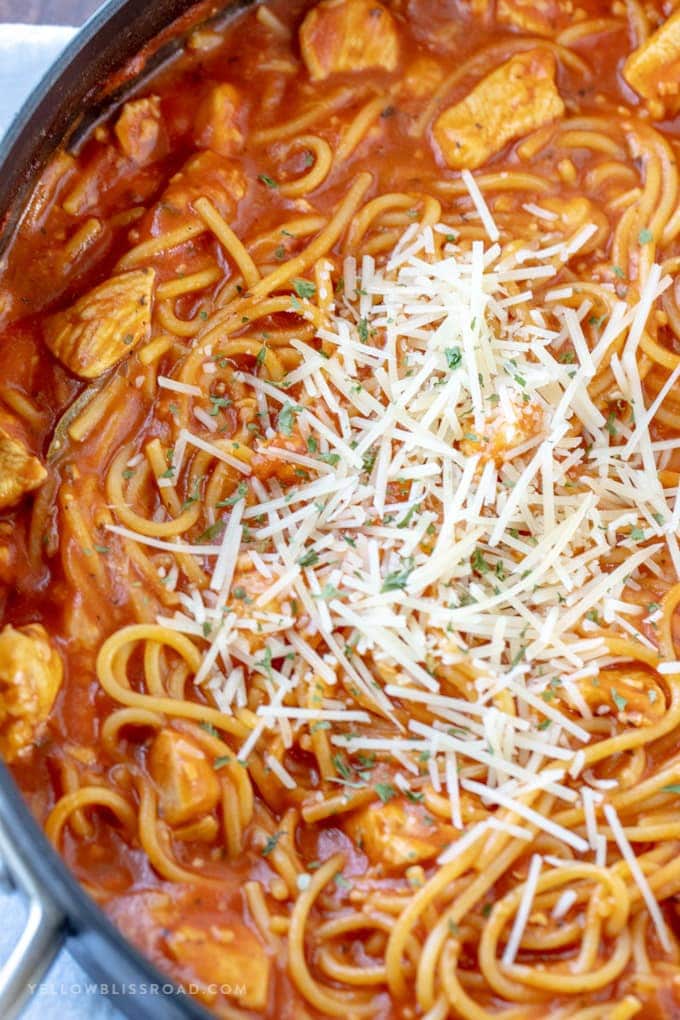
26, 52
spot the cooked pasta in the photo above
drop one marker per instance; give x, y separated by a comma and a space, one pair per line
340, 466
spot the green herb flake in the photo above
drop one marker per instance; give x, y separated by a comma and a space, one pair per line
271, 843
385, 791
309, 558
618, 699
398, 579
286, 418
304, 288
213, 532
240, 493
478, 562
415, 798
406, 519
454, 357
267, 180
341, 766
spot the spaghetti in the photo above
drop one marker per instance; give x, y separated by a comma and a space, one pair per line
341, 656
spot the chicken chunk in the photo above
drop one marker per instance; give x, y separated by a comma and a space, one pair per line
231, 958
20, 471
268, 463
397, 834
634, 696
217, 121
206, 174
516, 98
186, 782
502, 435
247, 587
538, 17
140, 131
104, 326
653, 69
422, 78
31, 674
348, 35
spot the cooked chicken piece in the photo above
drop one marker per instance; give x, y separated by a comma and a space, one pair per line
186, 781
10, 557
518, 97
20, 471
634, 696
422, 77
397, 834
231, 958
246, 588
217, 121
104, 326
206, 174
31, 673
653, 69
480, 8
501, 435
538, 17
348, 35
268, 463
141, 131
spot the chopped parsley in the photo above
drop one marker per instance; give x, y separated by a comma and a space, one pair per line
454, 357
213, 532
398, 579
286, 418
304, 288
240, 493
309, 558
478, 562
271, 843
618, 699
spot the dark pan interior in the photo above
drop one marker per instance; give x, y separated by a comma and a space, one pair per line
75, 93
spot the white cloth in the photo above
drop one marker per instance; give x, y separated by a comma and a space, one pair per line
67, 993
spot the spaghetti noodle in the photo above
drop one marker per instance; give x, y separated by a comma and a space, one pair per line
341, 656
